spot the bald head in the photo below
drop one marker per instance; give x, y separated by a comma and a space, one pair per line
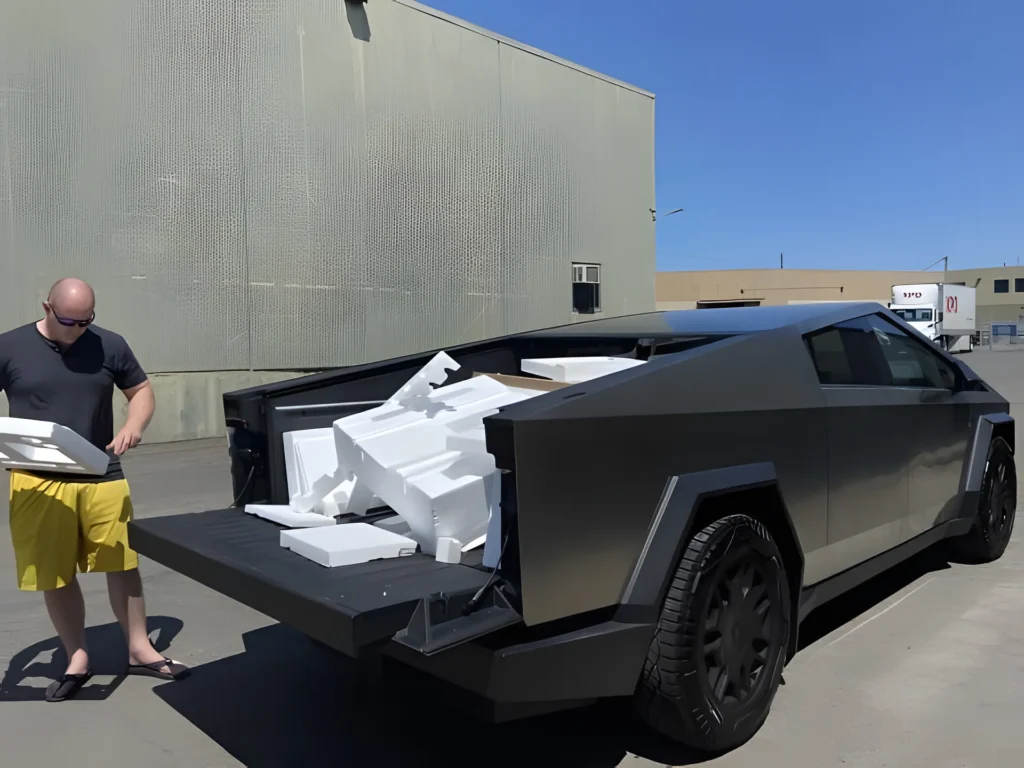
72, 290
70, 307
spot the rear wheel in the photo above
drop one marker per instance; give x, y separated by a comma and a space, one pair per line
716, 660
997, 508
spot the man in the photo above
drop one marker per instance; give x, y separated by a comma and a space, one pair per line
63, 369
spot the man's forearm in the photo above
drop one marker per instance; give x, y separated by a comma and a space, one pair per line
140, 409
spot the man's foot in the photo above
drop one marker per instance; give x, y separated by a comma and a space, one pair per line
78, 664
66, 686
151, 663
163, 669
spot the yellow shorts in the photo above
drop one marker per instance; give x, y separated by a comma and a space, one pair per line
58, 526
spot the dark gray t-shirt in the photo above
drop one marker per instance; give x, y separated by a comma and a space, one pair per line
73, 388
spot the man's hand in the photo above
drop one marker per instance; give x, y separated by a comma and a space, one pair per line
127, 438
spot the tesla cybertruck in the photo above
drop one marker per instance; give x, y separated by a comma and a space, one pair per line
664, 528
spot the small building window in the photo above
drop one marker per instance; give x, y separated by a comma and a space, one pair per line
586, 288
1001, 286
1018, 285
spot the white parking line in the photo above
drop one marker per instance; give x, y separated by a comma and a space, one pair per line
882, 612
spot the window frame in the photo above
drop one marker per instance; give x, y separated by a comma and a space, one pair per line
1001, 280
581, 268
938, 357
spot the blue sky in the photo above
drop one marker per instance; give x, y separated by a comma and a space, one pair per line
871, 134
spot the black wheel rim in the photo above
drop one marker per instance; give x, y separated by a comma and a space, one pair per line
737, 634
1002, 498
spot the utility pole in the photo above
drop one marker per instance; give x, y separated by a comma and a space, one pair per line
945, 268
781, 262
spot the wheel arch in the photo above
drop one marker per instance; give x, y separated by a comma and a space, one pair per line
691, 501
989, 427
1005, 431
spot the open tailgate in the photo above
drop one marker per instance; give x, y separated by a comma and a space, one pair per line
346, 608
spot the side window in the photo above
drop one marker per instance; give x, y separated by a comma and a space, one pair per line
910, 362
871, 351
848, 353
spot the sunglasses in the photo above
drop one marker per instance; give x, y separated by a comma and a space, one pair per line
69, 322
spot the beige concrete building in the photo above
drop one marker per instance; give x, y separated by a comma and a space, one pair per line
1000, 289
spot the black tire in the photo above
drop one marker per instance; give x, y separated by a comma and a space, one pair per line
677, 694
997, 509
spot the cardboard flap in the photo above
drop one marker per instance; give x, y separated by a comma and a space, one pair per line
525, 382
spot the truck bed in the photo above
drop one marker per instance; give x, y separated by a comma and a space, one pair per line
347, 608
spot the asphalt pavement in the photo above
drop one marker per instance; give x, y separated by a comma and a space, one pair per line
921, 667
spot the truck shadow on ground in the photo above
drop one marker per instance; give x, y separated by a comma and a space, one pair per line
45, 661
289, 701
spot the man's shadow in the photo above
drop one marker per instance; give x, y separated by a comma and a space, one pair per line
108, 654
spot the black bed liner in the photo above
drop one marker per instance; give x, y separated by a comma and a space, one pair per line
347, 608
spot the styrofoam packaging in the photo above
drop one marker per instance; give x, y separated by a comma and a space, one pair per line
350, 544
576, 369
303, 462
423, 381
284, 514
31, 444
450, 501
317, 482
449, 551
401, 451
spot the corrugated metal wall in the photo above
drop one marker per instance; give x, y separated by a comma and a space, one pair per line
304, 183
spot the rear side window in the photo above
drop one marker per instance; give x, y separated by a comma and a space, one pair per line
871, 351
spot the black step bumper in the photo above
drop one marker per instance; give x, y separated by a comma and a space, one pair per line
349, 608
355, 607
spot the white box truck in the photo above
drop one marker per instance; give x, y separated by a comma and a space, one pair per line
944, 312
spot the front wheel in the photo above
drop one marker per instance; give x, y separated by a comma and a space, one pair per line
716, 659
997, 508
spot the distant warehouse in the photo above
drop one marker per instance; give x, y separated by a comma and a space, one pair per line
291, 186
1000, 290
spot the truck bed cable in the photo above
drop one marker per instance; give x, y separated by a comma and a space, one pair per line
482, 592
245, 486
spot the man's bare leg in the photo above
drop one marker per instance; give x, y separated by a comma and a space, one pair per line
129, 607
66, 607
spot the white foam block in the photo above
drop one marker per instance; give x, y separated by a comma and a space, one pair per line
308, 455
282, 514
30, 444
572, 370
448, 550
348, 544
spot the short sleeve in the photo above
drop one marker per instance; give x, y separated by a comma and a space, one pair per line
128, 372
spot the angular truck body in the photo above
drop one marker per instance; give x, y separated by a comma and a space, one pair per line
664, 526
944, 312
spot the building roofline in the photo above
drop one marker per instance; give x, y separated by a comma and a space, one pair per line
825, 270
417, 6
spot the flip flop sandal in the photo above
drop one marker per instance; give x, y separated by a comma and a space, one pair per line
66, 686
178, 670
